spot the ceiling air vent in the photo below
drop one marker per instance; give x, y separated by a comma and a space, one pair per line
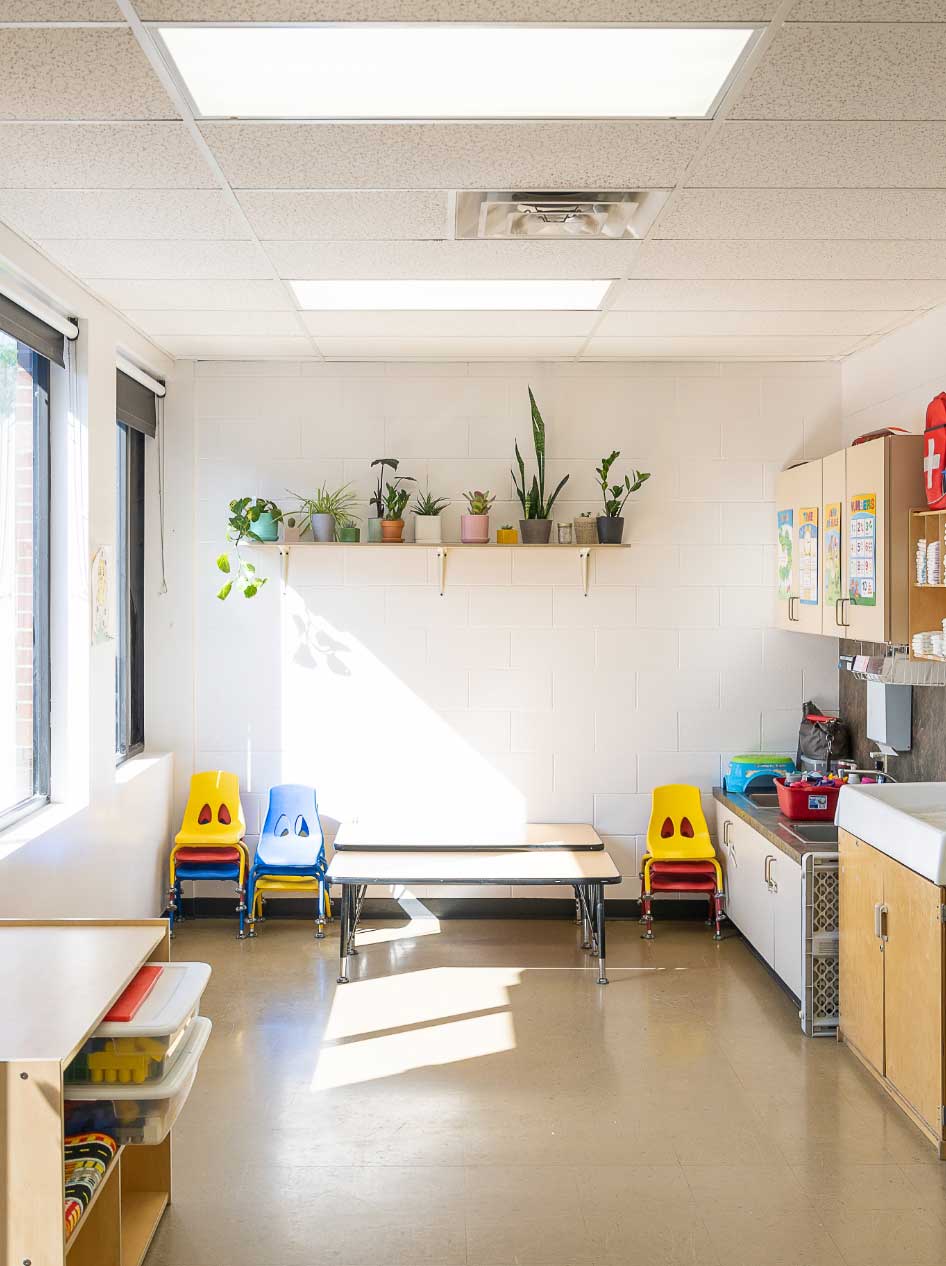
610, 215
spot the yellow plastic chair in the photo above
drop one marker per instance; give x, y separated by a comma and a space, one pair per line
679, 846
209, 844
265, 884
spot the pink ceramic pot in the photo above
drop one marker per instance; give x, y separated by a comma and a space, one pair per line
474, 529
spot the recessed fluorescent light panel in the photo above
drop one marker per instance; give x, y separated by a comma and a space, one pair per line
455, 71
455, 296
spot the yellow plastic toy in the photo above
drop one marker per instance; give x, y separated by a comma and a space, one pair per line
127, 1060
679, 846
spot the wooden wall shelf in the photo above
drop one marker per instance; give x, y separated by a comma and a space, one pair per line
927, 603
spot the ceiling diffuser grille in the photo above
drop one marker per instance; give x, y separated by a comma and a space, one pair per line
517, 215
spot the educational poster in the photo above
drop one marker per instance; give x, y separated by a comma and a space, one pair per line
808, 556
832, 553
786, 519
103, 596
862, 550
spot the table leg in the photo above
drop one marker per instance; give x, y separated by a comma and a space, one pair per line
344, 918
599, 922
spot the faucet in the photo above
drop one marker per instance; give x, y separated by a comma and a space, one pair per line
849, 767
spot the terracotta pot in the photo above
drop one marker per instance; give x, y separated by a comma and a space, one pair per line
610, 531
535, 531
391, 529
427, 529
507, 536
586, 532
474, 529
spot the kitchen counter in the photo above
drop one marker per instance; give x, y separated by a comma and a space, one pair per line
772, 824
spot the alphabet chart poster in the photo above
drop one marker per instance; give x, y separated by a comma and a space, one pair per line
862, 550
808, 556
832, 552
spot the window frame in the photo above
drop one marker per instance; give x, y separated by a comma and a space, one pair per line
129, 593
37, 366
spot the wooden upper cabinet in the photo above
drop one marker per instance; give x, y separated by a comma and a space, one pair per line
843, 529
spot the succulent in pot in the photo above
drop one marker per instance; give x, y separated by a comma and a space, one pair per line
611, 523
586, 529
377, 497
294, 526
254, 519
395, 500
474, 525
427, 510
507, 535
536, 525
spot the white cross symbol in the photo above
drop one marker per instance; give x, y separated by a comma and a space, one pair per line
930, 463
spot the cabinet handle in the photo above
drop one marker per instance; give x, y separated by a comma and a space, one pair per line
880, 923
767, 873
839, 613
791, 608
727, 827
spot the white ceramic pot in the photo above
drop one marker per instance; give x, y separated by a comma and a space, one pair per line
427, 529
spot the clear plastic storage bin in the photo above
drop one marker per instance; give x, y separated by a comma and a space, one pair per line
142, 1050
139, 1114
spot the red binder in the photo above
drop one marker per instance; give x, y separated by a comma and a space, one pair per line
126, 1006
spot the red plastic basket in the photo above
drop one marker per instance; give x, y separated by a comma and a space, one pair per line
804, 802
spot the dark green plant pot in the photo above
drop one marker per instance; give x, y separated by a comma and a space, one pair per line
535, 531
266, 528
350, 535
610, 531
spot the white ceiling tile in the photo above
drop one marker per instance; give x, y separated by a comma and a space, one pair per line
112, 214
60, 11
233, 348
101, 156
776, 296
545, 155
805, 213
197, 296
457, 10
719, 324
78, 73
355, 348
419, 260
866, 11
367, 215
186, 323
514, 325
739, 347
838, 71
801, 260
159, 261
805, 154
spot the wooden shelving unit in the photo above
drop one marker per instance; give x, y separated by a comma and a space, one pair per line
927, 603
57, 981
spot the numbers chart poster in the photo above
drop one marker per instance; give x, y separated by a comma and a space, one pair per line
786, 519
832, 553
808, 556
862, 550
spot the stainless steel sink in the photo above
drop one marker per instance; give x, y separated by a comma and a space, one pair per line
815, 832
764, 799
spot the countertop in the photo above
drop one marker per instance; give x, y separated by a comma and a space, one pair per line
771, 823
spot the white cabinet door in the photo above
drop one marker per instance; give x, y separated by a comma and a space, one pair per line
786, 896
754, 909
798, 526
725, 834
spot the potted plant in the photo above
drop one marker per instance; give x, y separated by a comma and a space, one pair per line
586, 529
329, 510
507, 535
395, 499
474, 525
535, 525
294, 526
251, 519
611, 523
348, 533
427, 511
377, 498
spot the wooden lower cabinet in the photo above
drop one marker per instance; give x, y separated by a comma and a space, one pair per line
893, 985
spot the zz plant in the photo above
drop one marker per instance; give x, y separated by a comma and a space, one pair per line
533, 500
395, 499
245, 514
615, 495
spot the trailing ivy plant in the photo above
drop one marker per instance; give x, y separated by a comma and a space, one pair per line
532, 500
245, 513
616, 495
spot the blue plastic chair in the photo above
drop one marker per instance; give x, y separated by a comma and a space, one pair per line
290, 856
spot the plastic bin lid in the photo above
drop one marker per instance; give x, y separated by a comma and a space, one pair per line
169, 1085
176, 992
757, 760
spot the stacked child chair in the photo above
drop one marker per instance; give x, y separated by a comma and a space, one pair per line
210, 844
680, 856
290, 856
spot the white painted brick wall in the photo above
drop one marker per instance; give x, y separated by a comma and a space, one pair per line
513, 689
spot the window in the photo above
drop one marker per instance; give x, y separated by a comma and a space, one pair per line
24, 579
130, 593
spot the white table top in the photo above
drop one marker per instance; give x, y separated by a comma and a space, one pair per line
366, 835
497, 866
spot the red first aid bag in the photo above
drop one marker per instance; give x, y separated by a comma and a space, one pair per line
934, 452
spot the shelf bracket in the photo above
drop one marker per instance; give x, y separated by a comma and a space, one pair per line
584, 564
284, 566
442, 567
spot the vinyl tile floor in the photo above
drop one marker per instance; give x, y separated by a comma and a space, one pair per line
473, 1098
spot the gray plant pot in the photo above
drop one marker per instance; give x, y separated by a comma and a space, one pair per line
374, 529
535, 531
610, 531
323, 527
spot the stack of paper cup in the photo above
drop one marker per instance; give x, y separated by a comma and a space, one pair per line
921, 560
934, 563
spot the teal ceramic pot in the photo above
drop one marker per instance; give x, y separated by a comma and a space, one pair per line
266, 528
374, 529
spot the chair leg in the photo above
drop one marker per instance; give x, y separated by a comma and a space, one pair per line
647, 917
710, 911
320, 921
241, 911
718, 908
